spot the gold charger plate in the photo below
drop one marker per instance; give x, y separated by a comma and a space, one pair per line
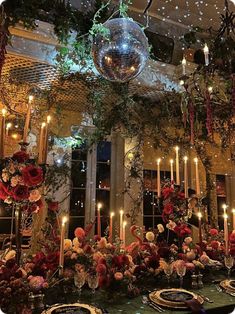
228, 284
73, 308
157, 297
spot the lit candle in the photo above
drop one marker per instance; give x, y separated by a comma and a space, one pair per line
158, 178
8, 126
206, 54
183, 65
197, 177
224, 206
186, 176
111, 227
41, 141
27, 120
45, 146
200, 226
62, 235
177, 166
98, 220
3, 130
226, 233
233, 211
121, 224
172, 171
124, 233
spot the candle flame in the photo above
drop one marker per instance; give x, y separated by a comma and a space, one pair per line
158, 161
185, 158
64, 220
206, 49
177, 148
196, 160
233, 210
14, 136
210, 89
225, 216
199, 215
183, 61
9, 125
181, 82
224, 206
171, 161
99, 205
112, 214
43, 125
48, 119
31, 98
121, 212
4, 111
124, 224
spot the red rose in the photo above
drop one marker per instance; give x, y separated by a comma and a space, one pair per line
32, 175
181, 195
79, 233
232, 237
215, 245
167, 192
213, 232
20, 193
4, 193
53, 206
168, 209
20, 156
101, 269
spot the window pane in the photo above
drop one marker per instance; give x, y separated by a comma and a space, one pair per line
148, 223
148, 203
104, 151
80, 152
78, 173
103, 176
73, 224
77, 202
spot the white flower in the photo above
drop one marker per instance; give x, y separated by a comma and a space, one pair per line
160, 228
15, 180
34, 196
5, 176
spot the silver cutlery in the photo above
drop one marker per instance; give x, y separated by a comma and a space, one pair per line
225, 290
145, 300
206, 298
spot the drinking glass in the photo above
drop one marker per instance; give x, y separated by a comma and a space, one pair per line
79, 281
181, 271
168, 270
93, 281
228, 261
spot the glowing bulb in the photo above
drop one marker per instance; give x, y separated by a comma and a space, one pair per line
181, 82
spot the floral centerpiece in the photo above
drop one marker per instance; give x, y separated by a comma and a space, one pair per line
175, 209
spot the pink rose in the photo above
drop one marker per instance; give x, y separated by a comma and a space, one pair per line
190, 266
36, 282
213, 232
34, 196
118, 276
204, 259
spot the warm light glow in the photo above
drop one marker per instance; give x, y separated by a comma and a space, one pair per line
224, 206
64, 220
225, 216
233, 210
158, 161
196, 160
99, 205
206, 49
177, 148
171, 161
130, 156
185, 158
124, 224
210, 89
9, 125
43, 125
48, 119
112, 214
183, 61
4, 111
31, 98
121, 212
199, 215
181, 82
14, 136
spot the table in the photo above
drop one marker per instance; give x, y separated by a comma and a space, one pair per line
116, 303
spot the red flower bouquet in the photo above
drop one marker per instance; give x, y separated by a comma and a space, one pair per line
32, 175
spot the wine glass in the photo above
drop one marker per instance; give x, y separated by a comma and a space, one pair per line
79, 281
181, 271
228, 261
93, 281
168, 270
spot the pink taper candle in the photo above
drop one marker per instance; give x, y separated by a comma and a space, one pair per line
3, 131
200, 227
124, 233
197, 177
233, 211
111, 227
172, 170
186, 176
62, 236
226, 233
177, 165
99, 220
158, 178
121, 225
27, 120
41, 141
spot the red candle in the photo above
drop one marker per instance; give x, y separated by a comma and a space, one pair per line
98, 220
62, 236
121, 225
226, 233
200, 226
233, 211
111, 227
158, 179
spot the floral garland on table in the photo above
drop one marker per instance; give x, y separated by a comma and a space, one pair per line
175, 209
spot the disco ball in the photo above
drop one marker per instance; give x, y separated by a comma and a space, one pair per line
121, 54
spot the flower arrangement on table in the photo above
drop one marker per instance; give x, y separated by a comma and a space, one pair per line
175, 210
